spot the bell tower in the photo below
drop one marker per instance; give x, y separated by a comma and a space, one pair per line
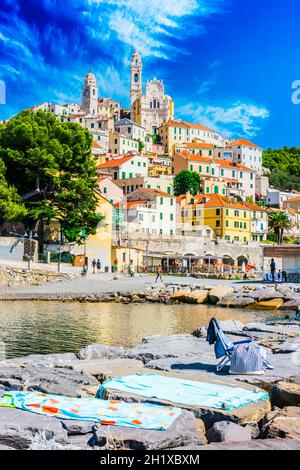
90, 94
136, 68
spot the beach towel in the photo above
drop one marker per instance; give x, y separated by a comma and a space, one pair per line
105, 412
184, 392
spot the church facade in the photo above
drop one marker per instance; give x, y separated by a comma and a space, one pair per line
152, 109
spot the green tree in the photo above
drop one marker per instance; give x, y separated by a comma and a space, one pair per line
141, 145
284, 164
50, 165
279, 222
11, 206
187, 181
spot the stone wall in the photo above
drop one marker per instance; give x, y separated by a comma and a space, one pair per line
17, 276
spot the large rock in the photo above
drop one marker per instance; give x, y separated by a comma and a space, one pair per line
291, 304
236, 302
76, 427
18, 429
196, 297
219, 292
2, 447
255, 444
184, 431
265, 294
100, 351
158, 347
49, 360
228, 431
60, 381
273, 304
180, 295
286, 392
284, 423
288, 331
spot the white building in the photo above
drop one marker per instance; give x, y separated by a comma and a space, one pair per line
130, 129
276, 198
149, 212
120, 144
163, 183
242, 151
125, 167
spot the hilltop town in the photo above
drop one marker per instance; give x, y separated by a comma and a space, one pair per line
172, 193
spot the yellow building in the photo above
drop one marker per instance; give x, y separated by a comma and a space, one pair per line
98, 246
229, 220
124, 256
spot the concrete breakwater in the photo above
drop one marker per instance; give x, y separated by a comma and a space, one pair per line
255, 426
239, 296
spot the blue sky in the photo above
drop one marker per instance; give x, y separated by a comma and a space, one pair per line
228, 64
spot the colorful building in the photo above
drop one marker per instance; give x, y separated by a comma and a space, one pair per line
125, 167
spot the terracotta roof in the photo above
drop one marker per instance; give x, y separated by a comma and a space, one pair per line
161, 193
176, 124
295, 199
198, 145
228, 164
115, 163
244, 142
95, 144
128, 204
195, 158
199, 126
255, 207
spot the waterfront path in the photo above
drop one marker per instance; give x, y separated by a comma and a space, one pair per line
108, 283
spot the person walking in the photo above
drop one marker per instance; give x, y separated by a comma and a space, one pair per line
116, 265
159, 272
94, 264
98, 265
273, 269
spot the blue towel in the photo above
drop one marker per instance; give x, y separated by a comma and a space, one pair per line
185, 392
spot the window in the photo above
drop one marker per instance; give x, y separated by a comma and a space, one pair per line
161, 216
171, 217
144, 164
191, 167
207, 169
139, 163
115, 175
169, 192
218, 211
130, 175
227, 211
245, 225
216, 190
236, 213
245, 215
171, 202
160, 231
222, 172
171, 232
200, 169
123, 175
227, 238
227, 223
92, 125
207, 190
212, 171
218, 223
161, 200
105, 189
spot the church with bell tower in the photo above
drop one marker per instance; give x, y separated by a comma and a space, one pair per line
153, 108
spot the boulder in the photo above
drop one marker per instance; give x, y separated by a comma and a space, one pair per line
286, 392
287, 347
265, 294
49, 360
219, 292
76, 427
231, 326
228, 431
228, 300
18, 429
257, 444
242, 302
180, 295
158, 347
273, 304
101, 351
287, 292
60, 381
184, 431
284, 424
288, 331
200, 332
2, 447
196, 297
290, 305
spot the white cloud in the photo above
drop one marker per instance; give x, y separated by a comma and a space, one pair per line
147, 24
238, 118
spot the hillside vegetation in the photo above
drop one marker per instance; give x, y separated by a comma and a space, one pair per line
285, 167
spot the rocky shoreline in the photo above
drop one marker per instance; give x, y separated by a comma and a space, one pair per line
267, 297
266, 424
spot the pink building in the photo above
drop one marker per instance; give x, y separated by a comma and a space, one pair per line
110, 190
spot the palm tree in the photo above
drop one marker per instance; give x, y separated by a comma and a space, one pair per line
279, 221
